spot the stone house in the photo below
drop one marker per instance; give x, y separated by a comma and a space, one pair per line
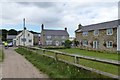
36, 38
10, 37
53, 37
101, 36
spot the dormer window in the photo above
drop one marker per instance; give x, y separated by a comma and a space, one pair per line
96, 32
109, 31
85, 33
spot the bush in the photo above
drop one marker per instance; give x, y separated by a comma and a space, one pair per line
67, 44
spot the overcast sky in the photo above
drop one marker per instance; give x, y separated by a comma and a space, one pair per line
56, 15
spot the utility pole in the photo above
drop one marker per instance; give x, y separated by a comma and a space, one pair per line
24, 32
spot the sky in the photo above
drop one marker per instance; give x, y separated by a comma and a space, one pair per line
56, 14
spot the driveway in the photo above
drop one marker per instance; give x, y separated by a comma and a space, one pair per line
16, 66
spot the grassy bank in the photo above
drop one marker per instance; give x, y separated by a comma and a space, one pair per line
1, 55
98, 54
56, 69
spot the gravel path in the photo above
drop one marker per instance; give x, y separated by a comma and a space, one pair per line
16, 66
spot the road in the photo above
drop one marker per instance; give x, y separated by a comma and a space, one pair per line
16, 66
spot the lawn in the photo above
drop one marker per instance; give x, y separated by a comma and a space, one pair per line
57, 69
104, 55
113, 69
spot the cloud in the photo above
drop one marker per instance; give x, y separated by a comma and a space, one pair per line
58, 15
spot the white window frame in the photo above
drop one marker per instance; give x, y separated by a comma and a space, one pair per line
108, 44
63, 37
96, 32
85, 43
48, 42
85, 33
48, 37
108, 31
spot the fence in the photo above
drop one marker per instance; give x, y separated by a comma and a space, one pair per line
76, 61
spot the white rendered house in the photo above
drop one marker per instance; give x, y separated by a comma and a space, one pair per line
25, 38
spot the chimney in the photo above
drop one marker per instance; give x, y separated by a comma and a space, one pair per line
42, 26
66, 29
24, 24
79, 26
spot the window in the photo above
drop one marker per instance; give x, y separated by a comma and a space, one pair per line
30, 40
85, 43
109, 44
63, 37
85, 33
96, 32
109, 31
48, 37
56, 36
28, 35
48, 42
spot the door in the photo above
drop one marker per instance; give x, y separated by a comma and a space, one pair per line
95, 44
57, 43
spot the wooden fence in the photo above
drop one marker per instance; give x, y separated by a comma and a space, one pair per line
76, 60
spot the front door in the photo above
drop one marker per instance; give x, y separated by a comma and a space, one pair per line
95, 44
57, 43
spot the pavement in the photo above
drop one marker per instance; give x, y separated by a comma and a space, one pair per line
16, 66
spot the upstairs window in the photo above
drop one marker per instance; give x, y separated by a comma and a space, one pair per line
109, 31
63, 37
85, 33
96, 32
28, 35
49, 37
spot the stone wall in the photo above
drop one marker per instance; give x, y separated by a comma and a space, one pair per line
102, 38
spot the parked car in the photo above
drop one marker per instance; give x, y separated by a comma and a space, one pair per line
10, 44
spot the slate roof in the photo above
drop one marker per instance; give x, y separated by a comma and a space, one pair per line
104, 25
55, 32
11, 36
36, 35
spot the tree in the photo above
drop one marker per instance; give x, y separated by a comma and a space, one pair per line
12, 32
4, 34
67, 43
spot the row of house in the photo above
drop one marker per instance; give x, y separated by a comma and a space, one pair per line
46, 38
101, 36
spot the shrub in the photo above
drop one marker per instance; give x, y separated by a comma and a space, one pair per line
68, 44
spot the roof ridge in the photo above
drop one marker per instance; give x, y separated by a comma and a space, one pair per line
101, 23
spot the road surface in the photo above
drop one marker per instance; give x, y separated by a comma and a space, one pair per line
16, 66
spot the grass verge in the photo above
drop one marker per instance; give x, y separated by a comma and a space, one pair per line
56, 69
1, 55
113, 69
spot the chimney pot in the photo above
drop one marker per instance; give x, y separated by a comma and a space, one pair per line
66, 29
79, 26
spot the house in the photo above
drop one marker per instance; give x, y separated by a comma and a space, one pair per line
11, 37
36, 38
25, 38
101, 36
53, 37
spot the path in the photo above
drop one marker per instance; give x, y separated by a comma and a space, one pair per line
16, 66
